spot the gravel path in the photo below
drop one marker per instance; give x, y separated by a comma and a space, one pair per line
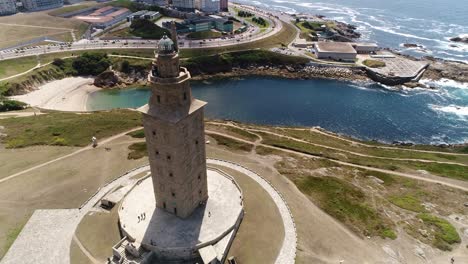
287, 254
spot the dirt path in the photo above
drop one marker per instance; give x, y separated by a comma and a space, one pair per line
355, 153
328, 134
457, 184
66, 156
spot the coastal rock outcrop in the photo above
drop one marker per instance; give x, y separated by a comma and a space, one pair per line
107, 79
460, 39
115, 79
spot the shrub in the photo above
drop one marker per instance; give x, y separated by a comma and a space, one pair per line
11, 105
125, 66
59, 62
91, 63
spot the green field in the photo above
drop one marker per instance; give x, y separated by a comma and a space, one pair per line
204, 35
67, 129
346, 203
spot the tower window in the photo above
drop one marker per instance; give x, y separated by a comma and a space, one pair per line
164, 205
154, 132
199, 192
168, 157
173, 194
171, 174
199, 176
185, 96
196, 142
175, 210
159, 99
156, 152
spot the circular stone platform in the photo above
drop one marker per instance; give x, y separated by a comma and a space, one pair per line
172, 237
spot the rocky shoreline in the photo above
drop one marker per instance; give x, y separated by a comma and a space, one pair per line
439, 69
288, 72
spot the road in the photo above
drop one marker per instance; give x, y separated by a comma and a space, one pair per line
98, 44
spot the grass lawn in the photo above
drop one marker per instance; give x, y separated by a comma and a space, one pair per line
67, 129
445, 233
444, 170
11, 236
369, 148
138, 151
231, 143
346, 203
204, 35
305, 32
408, 202
68, 9
15, 66
374, 63
23, 27
137, 134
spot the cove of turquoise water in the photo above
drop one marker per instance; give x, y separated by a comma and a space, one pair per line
364, 111
430, 23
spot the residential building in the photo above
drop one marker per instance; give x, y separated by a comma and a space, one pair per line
37, 5
204, 24
188, 5
209, 6
7, 7
224, 5
72, 2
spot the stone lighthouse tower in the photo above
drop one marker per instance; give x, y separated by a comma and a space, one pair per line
174, 129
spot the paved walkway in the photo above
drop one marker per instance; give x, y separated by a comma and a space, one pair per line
287, 254
47, 236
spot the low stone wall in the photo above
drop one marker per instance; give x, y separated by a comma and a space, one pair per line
394, 80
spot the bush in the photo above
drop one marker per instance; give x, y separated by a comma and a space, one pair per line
245, 14
260, 21
91, 63
11, 105
59, 62
125, 66
225, 62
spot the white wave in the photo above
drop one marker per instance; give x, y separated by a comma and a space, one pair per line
365, 88
445, 83
461, 111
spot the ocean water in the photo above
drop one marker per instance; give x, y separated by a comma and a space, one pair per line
364, 111
430, 23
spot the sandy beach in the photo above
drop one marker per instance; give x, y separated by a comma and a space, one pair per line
69, 94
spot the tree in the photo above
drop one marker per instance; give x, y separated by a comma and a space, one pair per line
125, 66
58, 62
